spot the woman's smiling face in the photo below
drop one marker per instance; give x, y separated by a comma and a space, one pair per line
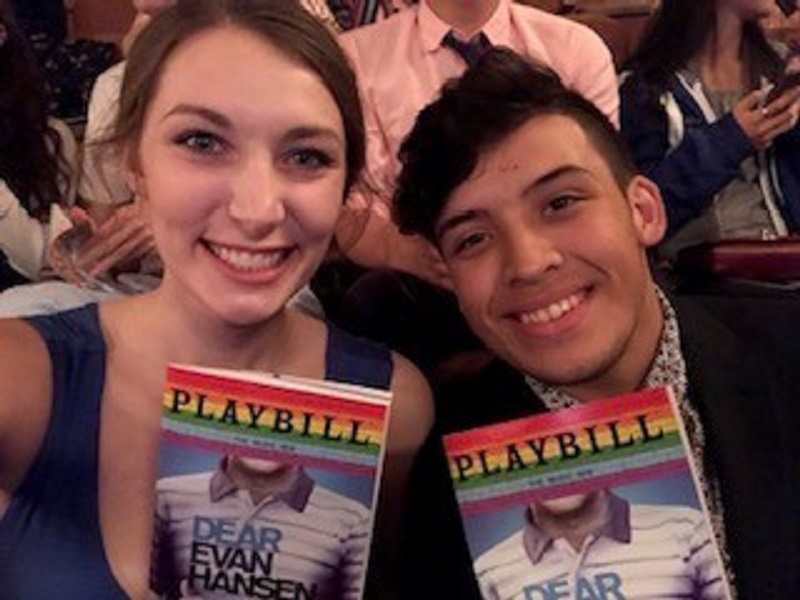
241, 165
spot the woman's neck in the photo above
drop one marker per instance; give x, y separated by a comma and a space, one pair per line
720, 63
185, 334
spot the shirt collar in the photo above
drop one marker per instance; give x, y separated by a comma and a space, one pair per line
432, 29
294, 492
667, 369
616, 527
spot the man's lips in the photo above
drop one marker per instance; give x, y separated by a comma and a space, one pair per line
552, 311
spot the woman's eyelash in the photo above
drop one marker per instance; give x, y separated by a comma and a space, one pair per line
311, 157
201, 141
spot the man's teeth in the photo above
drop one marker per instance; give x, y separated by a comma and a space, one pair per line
550, 313
246, 260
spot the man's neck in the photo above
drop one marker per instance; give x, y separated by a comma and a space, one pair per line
631, 367
467, 17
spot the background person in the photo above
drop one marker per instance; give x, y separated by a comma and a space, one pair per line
693, 113
38, 158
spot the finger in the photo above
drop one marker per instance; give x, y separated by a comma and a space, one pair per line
79, 216
101, 255
107, 239
126, 253
97, 249
782, 103
754, 99
121, 250
123, 220
785, 121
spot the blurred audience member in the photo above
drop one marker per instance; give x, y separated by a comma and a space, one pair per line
35, 155
696, 114
70, 65
355, 13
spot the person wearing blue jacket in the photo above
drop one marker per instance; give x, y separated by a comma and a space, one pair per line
694, 113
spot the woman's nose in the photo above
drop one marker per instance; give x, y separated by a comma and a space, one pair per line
258, 197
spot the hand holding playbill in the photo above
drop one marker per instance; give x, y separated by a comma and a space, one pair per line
267, 486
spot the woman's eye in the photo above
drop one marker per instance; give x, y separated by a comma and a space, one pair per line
202, 142
310, 158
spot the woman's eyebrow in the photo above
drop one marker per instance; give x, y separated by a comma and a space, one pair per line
205, 113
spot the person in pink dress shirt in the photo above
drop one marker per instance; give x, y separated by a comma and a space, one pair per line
401, 63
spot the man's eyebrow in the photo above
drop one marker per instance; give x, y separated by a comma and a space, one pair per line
556, 174
200, 111
548, 177
453, 222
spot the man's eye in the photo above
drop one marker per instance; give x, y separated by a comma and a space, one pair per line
310, 158
562, 202
468, 242
202, 142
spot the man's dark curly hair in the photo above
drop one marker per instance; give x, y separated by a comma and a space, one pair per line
493, 99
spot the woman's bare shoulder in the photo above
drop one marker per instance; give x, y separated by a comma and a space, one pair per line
412, 403
25, 398
24, 360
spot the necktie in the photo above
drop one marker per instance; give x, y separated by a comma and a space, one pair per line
470, 50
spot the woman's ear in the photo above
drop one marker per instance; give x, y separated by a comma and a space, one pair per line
132, 172
647, 209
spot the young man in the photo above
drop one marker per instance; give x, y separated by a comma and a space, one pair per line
544, 227
401, 63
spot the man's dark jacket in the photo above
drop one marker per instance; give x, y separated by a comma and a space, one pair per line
742, 357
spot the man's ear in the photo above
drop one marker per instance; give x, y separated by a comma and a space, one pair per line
647, 209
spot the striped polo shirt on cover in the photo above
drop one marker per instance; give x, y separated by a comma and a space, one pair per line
642, 551
301, 541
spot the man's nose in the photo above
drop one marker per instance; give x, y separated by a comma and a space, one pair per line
528, 254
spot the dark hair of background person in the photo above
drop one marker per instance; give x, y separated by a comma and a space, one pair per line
30, 149
677, 33
284, 24
494, 98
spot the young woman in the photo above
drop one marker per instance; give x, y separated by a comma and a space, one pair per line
35, 152
694, 113
241, 131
